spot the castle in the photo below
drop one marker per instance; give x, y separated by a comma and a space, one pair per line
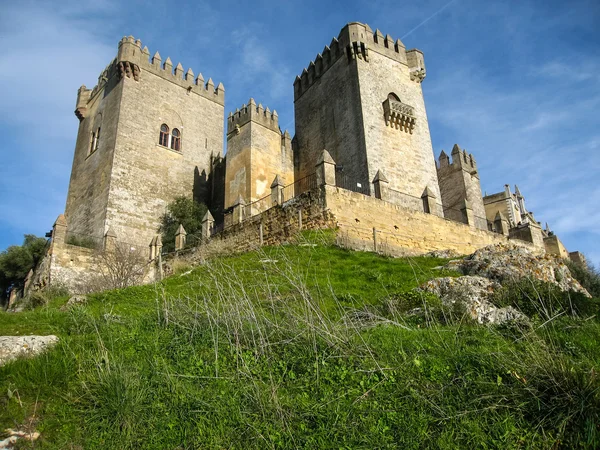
150, 132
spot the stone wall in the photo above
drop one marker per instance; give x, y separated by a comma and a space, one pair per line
399, 230
277, 225
362, 223
554, 246
92, 170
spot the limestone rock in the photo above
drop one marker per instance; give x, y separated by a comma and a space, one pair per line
510, 262
12, 347
76, 300
15, 435
473, 292
449, 253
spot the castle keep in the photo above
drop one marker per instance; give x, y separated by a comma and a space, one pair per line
361, 160
147, 134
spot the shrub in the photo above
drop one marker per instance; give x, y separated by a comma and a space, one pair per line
535, 298
184, 211
16, 262
588, 276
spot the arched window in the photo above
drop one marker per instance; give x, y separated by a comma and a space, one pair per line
164, 135
175, 139
393, 96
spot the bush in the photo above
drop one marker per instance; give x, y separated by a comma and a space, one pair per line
588, 277
537, 299
16, 262
184, 211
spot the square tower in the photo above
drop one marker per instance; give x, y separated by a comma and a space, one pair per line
361, 99
147, 134
460, 188
257, 151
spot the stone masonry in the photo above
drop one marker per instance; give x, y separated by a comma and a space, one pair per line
150, 132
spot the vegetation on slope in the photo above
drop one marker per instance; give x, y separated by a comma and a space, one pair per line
16, 261
304, 346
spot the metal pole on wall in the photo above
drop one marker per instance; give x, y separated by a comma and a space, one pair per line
374, 240
260, 233
160, 267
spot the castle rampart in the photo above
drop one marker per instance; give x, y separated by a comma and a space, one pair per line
254, 112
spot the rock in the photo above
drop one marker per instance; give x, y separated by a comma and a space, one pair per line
12, 347
14, 435
510, 262
473, 293
446, 254
76, 300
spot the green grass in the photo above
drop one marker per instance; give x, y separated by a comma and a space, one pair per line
297, 347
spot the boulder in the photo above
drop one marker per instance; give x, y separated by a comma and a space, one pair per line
76, 300
12, 347
509, 262
473, 294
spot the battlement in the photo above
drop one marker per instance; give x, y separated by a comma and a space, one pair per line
255, 113
460, 160
354, 41
132, 60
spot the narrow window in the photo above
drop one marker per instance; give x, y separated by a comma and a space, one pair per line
164, 135
175, 139
97, 139
92, 143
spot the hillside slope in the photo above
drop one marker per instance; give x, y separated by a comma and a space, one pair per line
300, 346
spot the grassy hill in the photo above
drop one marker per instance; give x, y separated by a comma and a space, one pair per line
299, 346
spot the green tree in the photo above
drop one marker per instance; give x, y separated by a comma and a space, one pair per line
186, 212
17, 260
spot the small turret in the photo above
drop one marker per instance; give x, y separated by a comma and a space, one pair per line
254, 113
83, 97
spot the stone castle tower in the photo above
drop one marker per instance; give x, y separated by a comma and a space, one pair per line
460, 188
147, 134
257, 151
361, 99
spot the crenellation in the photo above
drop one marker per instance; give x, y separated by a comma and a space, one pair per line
189, 76
168, 66
179, 71
255, 113
130, 52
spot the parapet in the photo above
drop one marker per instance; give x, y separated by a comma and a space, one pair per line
254, 113
460, 160
132, 60
131, 52
355, 41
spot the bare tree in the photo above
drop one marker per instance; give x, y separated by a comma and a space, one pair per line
119, 266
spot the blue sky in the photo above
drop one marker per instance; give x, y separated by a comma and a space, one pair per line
517, 83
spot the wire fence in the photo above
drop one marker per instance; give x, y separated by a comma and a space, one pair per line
404, 199
98, 243
258, 206
299, 187
84, 240
351, 184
